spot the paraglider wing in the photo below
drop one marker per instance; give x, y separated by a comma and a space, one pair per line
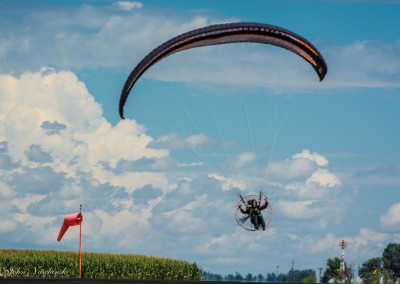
227, 33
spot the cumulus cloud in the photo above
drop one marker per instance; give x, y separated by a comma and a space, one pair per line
310, 189
126, 179
357, 65
365, 243
324, 178
301, 165
244, 159
128, 5
88, 36
368, 241
299, 209
63, 98
52, 127
175, 141
58, 151
194, 164
327, 243
229, 183
35, 154
302, 190
7, 226
374, 64
291, 169
55, 143
315, 157
385, 174
111, 38
391, 220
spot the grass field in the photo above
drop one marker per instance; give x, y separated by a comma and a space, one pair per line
64, 264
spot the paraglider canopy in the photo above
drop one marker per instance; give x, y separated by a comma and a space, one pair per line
223, 34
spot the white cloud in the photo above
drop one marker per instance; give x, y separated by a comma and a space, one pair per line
291, 169
314, 214
54, 144
194, 164
367, 241
306, 191
300, 166
298, 209
358, 65
305, 176
367, 64
319, 245
244, 158
315, 157
91, 37
310, 194
37, 229
381, 174
391, 220
174, 141
7, 226
229, 183
22, 203
85, 140
324, 178
128, 5
5, 191
199, 140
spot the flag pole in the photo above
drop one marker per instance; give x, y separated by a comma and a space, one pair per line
80, 245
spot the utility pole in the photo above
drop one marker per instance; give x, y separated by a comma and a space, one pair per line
320, 269
292, 271
276, 279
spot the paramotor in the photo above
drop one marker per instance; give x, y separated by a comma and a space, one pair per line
244, 220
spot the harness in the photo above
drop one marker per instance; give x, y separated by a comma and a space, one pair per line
257, 212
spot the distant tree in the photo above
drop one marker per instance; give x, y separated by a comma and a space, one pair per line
370, 270
260, 278
299, 275
271, 277
332, 270
309, 279
350, 272
307, 274
249, 277
283, 277
212, 277
238, 277
391, 260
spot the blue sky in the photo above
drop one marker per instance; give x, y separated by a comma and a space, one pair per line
202, 125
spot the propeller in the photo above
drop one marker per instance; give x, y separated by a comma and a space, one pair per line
244, 219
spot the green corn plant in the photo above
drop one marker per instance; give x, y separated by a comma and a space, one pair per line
94, 265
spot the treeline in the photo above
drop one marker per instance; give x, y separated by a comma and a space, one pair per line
305, 276
383, 269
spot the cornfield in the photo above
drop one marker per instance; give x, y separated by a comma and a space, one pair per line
64, 264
